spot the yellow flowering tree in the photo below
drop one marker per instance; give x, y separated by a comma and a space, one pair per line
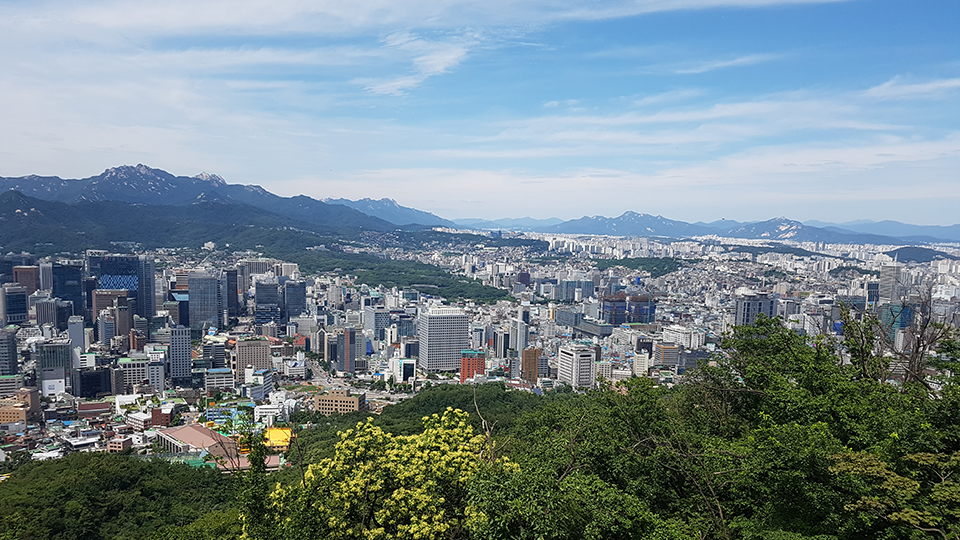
380, 486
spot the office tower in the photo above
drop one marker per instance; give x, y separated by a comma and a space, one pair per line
232, 290
138, 370
530, 364
134, 273
472, 363
8, 351
243, 281
576, 365
106, 298
124, 319
46, 310
78, 343
106, 327
267, 299
443, 333
666, 354
46, 276
294, 299
205, 307
376, 319
253, 352
891, 287
215, 354
501, 343
258, 266
266, 291
54, 366
752, 304
179, 355
351, 348
28, 277
67, 283
14, 304
519, 335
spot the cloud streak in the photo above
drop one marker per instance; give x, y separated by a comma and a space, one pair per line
712, 65
896, 89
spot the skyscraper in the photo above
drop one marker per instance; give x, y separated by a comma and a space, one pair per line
443, 333
294, 299
67, 283
54, 366
8, 351
205, 302
179, 356
231, 290
134, 273
350, 351
14, 305
891, 282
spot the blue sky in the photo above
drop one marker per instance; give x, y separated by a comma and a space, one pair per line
692, 109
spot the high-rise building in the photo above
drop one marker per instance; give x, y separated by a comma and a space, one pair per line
134, 273
231, 289
46, 310
376, 319
472, 363
54, 366
267, 300
215, 354
530, 364
8, 351
519, 334
253, 352
350, 351
576, 365
78, 343
892, 280
106, 326
205, 303
443, 333
753, 304
179, 355
294, 299
67, 283
28, 277
14, 305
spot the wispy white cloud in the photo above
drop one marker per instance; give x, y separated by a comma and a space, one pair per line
895, 88
429, 58
334, 17
711, 65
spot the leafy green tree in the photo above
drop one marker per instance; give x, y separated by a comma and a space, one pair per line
378, 485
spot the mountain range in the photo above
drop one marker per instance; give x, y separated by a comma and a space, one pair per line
142, 185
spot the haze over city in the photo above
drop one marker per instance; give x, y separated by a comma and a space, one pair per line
695, 110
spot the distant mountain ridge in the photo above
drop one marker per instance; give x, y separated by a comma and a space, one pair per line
390, 210
513, 224
146, 185
141, 184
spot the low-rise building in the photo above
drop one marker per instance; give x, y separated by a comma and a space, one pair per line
340, 401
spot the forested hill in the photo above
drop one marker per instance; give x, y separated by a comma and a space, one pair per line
779, 441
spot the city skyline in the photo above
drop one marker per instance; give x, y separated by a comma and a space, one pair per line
703, 109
